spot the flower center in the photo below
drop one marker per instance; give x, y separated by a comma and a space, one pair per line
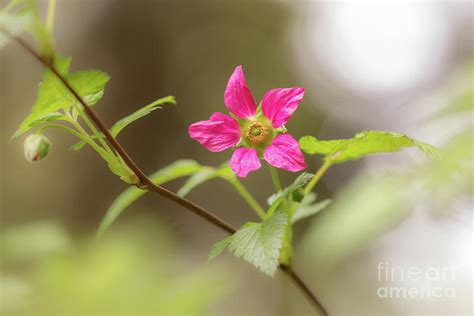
256, 130
257, 134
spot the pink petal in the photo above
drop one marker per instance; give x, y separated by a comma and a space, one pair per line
285, 153
237, 96
217, 134
244, 160
279, 104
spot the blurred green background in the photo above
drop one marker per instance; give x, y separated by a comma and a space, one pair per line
403, 67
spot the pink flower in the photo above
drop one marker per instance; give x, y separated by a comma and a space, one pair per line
256, 131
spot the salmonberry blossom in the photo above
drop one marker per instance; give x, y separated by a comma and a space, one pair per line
255, 132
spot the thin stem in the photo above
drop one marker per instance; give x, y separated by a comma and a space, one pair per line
88, 139
275, 178
63, 127
96, 132
50, 15
79, 135
248, 197
146, 183
328, 163
277, 184
78, 126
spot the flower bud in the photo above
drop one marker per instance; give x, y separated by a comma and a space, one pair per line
36, 147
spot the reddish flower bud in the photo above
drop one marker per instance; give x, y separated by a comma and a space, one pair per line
36, 147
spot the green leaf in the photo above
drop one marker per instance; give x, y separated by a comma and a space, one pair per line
299, 182
121, 124
49, 117
62, 65
206, 174
90, 84
307, 208
312, 146
428, 149
120, 168
309, 199
117, 128
260, 243
218, 248
52, 96
180, 168
77, 146
365, 143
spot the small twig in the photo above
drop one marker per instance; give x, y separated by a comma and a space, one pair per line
146, 183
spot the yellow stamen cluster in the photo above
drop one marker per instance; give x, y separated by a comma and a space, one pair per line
257, 134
